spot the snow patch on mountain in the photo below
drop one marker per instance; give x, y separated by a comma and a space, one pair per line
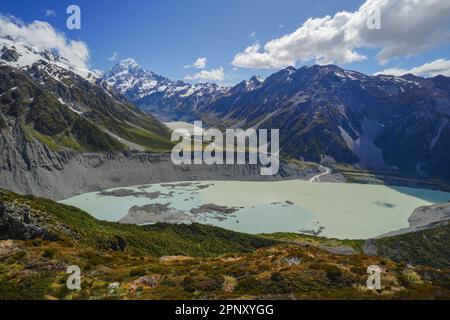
364, 146
20, 55
437, 137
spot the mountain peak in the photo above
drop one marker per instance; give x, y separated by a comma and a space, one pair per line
136, 83
257, 79
129, 62
19, 54
290, 70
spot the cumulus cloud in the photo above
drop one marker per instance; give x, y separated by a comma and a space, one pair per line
200, 63
430, 69
207, 75
43, 36
114, 56
408, 27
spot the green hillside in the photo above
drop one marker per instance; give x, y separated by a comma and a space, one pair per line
44, 112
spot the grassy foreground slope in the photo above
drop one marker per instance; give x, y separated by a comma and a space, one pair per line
39, 239
72, 227
429, 247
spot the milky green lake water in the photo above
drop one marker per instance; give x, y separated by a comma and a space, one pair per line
345, 211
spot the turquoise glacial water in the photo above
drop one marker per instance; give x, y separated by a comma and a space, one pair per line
345, 211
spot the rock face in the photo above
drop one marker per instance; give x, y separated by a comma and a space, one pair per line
119, 244
428, 216
33, 168
17, 223
155, 213
9, 55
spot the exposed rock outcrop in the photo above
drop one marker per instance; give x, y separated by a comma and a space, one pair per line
424, 218
155, 213
17, 223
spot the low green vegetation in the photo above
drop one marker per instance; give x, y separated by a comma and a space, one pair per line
429, 247
300, 165
42, 115
356, 245
354, 174
83, 231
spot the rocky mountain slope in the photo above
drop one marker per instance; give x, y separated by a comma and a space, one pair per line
326, 113
39, 239
42, 98
34, 168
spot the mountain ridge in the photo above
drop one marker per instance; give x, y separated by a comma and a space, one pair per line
158, 94
329, 114
43, 98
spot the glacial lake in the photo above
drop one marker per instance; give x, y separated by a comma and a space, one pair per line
336, 210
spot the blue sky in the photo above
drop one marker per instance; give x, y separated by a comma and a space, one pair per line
166, 35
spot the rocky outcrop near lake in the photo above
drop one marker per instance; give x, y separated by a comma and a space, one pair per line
156, 213
423, 218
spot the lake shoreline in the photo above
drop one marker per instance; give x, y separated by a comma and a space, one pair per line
351, 211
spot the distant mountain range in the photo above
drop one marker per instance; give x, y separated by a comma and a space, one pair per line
324, 113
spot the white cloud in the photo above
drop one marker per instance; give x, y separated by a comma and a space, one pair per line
207, 75
253, 34
430, 69
50, 13
43, 36
114, 56
200, 63
408, 27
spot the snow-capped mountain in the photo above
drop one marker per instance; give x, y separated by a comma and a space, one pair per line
130, 80
159, 95
48, 100
19, 55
